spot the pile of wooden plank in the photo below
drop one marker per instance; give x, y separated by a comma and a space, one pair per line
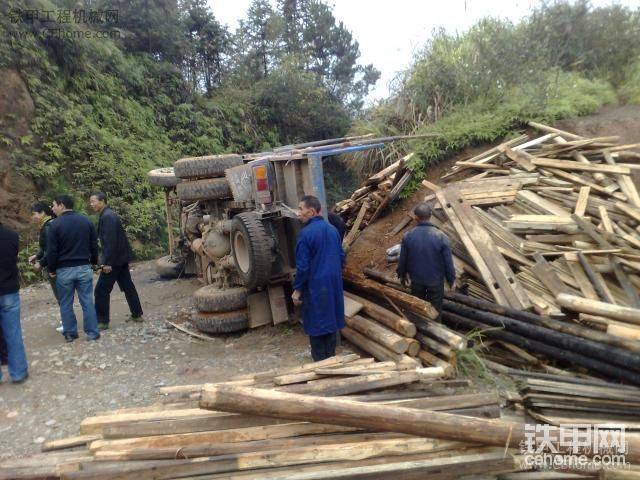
370, 200
560, 400
190, 433
548, 220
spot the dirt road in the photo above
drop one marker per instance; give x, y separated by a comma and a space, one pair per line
125, 368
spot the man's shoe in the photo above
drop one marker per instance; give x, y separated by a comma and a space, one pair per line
92, 339
70, 338
138, 318
60, 328
103, 326
21, 380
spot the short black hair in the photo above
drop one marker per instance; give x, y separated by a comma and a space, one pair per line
312, 202
100, 196
64, 199
40, 207
422, 211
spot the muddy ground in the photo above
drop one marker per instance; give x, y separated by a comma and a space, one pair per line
68, 382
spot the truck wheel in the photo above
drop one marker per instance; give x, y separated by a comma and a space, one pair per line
207, 189
228, 322
162, 177
211, 166
251, 246
211, 299
168, 267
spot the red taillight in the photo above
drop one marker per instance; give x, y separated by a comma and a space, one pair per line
262, 184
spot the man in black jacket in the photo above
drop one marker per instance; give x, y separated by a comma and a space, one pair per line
10, 306
425, 256
116, 255
72, 247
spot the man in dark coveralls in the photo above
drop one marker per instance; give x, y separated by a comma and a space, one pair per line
318, 281
425, 256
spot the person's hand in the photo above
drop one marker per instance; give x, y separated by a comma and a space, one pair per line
37, 267
32, 258
107, 269
296, 297
404, 282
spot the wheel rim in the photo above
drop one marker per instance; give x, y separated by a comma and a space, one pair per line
241, 252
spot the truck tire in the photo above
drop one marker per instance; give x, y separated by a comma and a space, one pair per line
162, 177
169, 267
207, 189
251, 247
210, 299
227, 322
211, 166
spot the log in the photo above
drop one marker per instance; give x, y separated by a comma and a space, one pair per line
560, 326
379, 334
361, 415
430, 424
604, 353
542, 348
404, 300
385, 317
375, 349
585, 305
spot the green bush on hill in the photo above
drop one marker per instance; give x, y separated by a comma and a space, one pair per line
565, 59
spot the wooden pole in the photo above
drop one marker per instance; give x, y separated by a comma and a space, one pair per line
382, 418
585, 305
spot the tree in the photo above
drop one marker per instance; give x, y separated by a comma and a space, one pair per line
261, 34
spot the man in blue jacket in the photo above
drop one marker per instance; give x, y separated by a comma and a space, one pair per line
318, 282
10, 306
72, 247
425, 256
116, 255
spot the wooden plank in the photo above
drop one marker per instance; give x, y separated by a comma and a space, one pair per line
278, 304
177, 441
596, 279
606, 220
532, 199
523, 159
583, 200
577, 179
355, 228
259, 309
332, 387
69, 442
478, 258
581, 278
579, 166
545, 273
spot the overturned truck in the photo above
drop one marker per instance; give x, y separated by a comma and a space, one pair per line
238, 225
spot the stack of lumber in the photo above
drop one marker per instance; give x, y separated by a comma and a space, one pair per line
370, 200
192, 433
430, 343
550, 224
560, 400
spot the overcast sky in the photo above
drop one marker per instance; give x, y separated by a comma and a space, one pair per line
391, 31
